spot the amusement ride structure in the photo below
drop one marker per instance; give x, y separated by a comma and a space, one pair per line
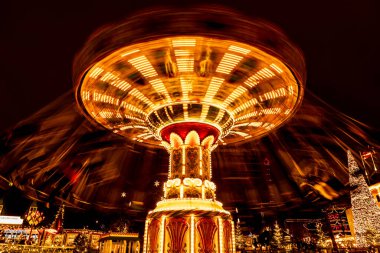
189, 81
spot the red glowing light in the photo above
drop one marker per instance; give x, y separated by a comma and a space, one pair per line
183, 128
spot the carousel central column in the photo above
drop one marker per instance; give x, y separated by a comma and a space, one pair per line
189, 219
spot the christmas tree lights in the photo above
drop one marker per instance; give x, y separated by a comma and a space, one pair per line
365, 212
277, 240
239, 237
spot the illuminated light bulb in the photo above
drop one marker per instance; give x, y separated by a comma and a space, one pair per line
290, 90
137, 94
192, 234
234, 95
107, 77
158, 117
86, 95
280, 92
183, 164
186, 86
168, 115
146, 236
162, 233
271, 111
228, 122
185, 112
159, 86
106, 114
205, 110
143, 65
240, 133
213, 87
245, 105
99, 97
200, 161
233, 237
115, 81
262, 74
184, 57
266, 73
239, 49
276, 68
256, 124
125, 128
252, 81
228, 63
96, 72
220, 116
248, 115
122, 85
181, 191
268, 125
132, 108
220, 234
181, 52
185, 64
142, 127
144, 135
184, 43
240, 125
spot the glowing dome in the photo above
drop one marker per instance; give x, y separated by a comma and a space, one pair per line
236, 85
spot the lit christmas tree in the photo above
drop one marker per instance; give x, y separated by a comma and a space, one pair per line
287, 242
239, 237
277, 239
365, 212
81, 243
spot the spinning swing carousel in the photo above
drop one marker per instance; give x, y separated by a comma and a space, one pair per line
188, 81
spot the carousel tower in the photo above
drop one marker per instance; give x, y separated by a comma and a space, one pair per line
188, 81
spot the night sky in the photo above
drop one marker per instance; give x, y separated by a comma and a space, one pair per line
340, 41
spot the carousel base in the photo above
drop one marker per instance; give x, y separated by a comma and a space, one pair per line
189, 225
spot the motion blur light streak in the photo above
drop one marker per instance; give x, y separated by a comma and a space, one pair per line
306, 154
310, 148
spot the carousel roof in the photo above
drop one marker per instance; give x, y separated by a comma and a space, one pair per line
245, 78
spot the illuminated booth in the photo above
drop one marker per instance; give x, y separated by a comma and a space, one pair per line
119, 242
201, 79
